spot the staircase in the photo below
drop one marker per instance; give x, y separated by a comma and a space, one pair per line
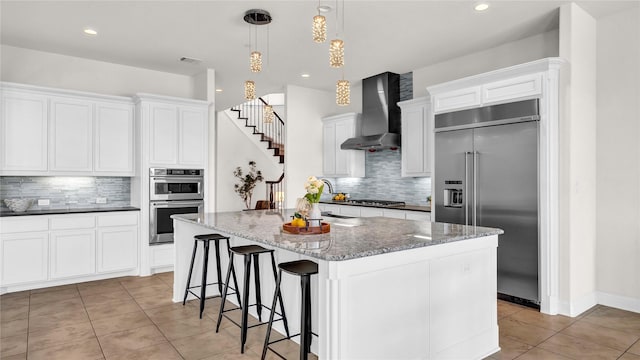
251, 113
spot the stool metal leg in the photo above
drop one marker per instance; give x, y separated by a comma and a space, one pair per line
203, 289
270, 323
308, 329
219, 271
226, 289
235, 279
193, 258
256, 278
304, 339
245, 296
279, 295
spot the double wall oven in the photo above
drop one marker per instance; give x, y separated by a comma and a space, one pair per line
172, 191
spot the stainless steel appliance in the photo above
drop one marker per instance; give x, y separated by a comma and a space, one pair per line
369, 202
172, 191
486, 174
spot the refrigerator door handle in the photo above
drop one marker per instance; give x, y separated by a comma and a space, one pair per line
475, 187
465, 195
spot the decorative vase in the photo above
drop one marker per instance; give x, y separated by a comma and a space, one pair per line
315, 215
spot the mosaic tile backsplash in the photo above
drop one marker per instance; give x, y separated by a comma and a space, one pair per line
62, 192
382, 181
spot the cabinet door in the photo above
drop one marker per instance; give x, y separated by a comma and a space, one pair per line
163, 139
24, 132
192, 142
397, 214
343, 131
350, 210
114, 139
24, 258
415, 157
418, 215
457, 99
512, 89
70, 135
371, 212
117, 248
73, 253
329, 148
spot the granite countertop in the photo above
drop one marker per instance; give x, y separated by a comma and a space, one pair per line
348, 239
402, 207
68, 210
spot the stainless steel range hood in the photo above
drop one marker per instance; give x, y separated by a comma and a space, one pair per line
380, 114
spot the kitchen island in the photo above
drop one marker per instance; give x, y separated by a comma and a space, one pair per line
386, 289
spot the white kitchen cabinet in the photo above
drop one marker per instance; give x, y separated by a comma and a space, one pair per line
24, 132
350, 210
177, 131
114, 139
24, 258
71, 135
162, 255
512, 89
417, 135
393, 213
334, 209
73, 253
371, 212
457, 99
335, 161
117, 248
418, 215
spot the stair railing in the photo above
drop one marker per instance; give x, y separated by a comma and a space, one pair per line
252, 112
275, 192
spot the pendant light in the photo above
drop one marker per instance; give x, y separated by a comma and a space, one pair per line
249, 90
268, 114
343, 92
336, 47
255, 17
319, 27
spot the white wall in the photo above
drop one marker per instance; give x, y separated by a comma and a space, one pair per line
305, 109
618, 160
67, 72
577, 137
513, 53
233, 149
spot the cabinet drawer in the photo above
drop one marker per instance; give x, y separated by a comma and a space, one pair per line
24, 224
371, 212
396, 214
418, 215
66, 222
120, 219
350, 211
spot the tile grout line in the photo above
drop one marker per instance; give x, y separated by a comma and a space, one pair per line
84, 307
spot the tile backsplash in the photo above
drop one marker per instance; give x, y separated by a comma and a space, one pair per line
382, 181
67, 191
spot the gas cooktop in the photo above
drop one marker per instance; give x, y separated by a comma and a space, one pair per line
375, 202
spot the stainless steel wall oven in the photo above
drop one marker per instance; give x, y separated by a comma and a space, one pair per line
172, 191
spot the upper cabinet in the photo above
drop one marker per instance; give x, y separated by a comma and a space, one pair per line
24, 132
417, 135
60, 132
335, 161
511, 89
177, 131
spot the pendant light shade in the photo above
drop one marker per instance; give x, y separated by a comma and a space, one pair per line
319, 29
336, 53
255, 61
343, 93
268, 114
249, 90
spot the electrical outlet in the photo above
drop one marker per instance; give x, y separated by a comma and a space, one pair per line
101, 200
43, 202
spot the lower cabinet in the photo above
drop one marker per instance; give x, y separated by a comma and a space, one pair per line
365, 211
66, 248
24, 258
73, 253
117, 248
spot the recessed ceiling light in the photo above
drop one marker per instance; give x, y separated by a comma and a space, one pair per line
218, 90
305, 75
324, 8
90, 31
481, 7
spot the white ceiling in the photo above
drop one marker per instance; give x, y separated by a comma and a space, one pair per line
397, 36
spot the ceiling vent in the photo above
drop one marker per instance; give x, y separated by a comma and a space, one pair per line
189, 60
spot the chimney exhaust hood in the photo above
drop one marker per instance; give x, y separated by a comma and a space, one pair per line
380, 114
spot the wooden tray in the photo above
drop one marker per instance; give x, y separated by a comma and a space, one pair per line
324, 228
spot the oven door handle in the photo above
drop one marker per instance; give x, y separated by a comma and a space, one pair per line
176, 203
171, 180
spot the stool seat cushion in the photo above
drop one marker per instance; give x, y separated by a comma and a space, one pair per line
299, 267
249, 249
210, 237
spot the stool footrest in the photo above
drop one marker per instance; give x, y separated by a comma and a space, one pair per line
209, 297
254, 325
283, 339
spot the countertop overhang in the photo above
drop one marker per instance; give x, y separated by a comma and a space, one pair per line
348, 239
69, 210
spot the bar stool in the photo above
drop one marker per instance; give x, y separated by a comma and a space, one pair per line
249, 252
206, 239
304, 269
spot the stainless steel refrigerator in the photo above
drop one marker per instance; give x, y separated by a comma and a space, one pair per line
486, 174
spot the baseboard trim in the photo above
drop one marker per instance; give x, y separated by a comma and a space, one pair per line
578, 306
619, 302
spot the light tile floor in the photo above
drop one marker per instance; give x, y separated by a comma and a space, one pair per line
134, 318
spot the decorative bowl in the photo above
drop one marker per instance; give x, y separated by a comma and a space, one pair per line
18, 205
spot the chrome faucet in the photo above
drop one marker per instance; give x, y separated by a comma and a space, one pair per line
328, 184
